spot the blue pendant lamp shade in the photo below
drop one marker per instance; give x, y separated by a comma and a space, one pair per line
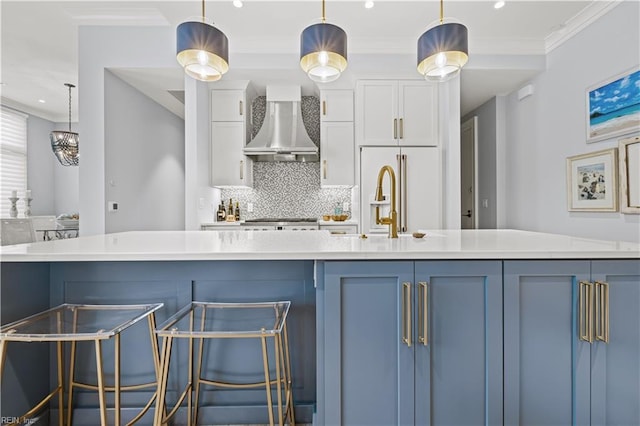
323, 51
65, 144
443, 50
203, 50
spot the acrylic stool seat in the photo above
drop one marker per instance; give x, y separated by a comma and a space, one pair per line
201, 321
90, 323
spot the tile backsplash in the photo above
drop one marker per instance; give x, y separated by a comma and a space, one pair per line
287, 189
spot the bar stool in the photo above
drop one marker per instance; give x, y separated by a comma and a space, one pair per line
200, 321
74, 323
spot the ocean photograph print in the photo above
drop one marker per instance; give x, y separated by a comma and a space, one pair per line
613, 107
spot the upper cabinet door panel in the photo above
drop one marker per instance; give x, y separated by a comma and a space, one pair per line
417, 114
337, 154
376, 112
336, 105
228, 105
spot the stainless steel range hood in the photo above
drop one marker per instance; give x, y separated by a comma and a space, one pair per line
282, 136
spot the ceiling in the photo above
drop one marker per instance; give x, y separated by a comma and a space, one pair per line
507, 46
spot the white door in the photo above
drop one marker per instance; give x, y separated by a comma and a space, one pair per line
468, 174
372, 159
336, 151
227, 105
376, 112
229, 166
421, 205
417, 114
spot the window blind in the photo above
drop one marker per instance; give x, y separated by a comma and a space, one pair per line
13, 158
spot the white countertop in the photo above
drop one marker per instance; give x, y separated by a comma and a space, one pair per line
317, 245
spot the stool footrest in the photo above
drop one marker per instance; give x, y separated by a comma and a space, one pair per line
113, 388
37, 407
175, 408
237, 385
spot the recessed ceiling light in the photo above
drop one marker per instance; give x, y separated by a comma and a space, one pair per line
42, 101
237, 3
498, 4
369, 4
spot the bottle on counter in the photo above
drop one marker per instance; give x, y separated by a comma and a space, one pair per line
222, 213
237, 211
230, 208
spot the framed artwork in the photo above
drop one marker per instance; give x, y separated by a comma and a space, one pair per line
592, 181
629, 165
613, 106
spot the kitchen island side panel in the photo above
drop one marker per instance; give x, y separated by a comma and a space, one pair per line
175, 284
24, 291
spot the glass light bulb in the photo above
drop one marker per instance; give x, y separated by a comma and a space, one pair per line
368, 4
498, 4
323, 58
441, 60
237, 3
202, 57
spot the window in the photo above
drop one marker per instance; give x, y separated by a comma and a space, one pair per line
13, 157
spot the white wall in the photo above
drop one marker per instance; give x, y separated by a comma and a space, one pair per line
54, 187
144, 161
547, 127
101, 48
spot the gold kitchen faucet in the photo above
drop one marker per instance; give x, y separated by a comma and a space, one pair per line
392, 219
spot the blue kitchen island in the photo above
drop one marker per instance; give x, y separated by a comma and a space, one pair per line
459, 327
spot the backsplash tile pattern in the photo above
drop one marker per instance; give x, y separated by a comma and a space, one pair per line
287, 189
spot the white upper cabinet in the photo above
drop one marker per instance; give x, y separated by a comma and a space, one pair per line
229, 134
336, 105
391, 112
228, 105
337, 160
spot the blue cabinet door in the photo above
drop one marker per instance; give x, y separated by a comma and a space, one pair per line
459, 363
546, 365
615, 373
368, 369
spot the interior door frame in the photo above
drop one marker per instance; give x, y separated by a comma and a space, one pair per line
473, 124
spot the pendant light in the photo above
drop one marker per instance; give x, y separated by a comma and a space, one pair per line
443, 49
203, 50
65, 144
323, 51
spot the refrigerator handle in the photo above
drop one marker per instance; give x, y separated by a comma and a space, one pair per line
404, 195
400, 194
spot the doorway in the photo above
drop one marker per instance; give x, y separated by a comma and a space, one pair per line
469, 173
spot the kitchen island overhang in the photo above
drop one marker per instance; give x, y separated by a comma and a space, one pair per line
175, 268
317, 245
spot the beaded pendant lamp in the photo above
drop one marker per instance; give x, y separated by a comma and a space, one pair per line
323, 51
202, 50
443, 49
65, 144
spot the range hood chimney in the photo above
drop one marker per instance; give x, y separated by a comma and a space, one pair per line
282, 136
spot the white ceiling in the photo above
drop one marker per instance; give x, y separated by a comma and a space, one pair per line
507, 46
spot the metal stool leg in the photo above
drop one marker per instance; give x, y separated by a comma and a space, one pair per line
72, 369
162, 381
198, 376
289, 379
60, 383
267, 380
116, 379
276, 350
101, 396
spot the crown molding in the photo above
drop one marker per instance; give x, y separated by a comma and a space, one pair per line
582, 20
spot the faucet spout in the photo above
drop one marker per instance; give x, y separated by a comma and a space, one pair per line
392, 219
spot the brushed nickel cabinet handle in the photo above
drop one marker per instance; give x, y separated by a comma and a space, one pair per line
406, 314
401, 128
324, 107
585, 311
602, 311
423, 313
395, 128
324, 169
241, 169
240, 107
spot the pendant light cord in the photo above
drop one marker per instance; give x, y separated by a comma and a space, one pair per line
203, 12
323, 14
69, 85
441, 11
